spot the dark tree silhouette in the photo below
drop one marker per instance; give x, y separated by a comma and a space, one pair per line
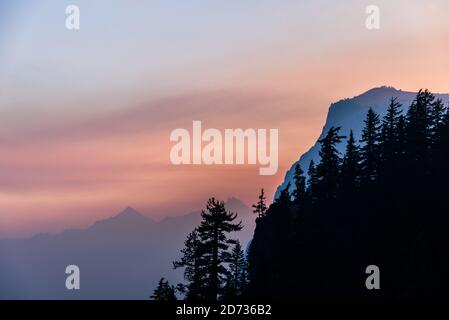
389, 141
419, 133
260, 208
329, 168
206, 252
437, 114
164, 291
194, 263
284, 199
350, 169
300, 185
401, 140
312, 182
370, 147
384, 204
213, 230
237, 277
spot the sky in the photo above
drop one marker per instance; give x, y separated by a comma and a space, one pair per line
86, 115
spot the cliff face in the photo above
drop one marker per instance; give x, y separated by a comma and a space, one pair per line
349, 115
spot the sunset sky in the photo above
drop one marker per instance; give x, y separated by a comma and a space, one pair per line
86, 116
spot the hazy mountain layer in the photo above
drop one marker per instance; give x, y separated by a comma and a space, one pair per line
122, 257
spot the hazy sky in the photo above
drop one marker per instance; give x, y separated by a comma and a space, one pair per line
85, 116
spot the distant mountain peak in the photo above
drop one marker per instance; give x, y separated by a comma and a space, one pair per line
383, 92
129, 211
128, 216
236, 205
234, 201
382, 89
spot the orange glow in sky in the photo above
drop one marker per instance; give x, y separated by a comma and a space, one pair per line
78, 142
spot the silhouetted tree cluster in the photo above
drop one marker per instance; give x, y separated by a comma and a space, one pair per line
383, 202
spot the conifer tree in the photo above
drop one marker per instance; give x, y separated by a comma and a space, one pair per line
164, 291
260, 208
401, 139
300, 184
386, 214
284, 199
418, 130
194, 263
329, 167
215, 225
390, 121
437, 114
312, 181
236, 280
389, 126
370, 148
389, 144
350, 170
441, 151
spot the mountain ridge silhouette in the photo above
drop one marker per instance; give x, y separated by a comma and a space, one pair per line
349, 114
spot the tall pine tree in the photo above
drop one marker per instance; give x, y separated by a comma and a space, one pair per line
194, 263
213, 231
260, 208
370, 148
437, 118
419, 131
350, 169
237, 278
300, 185
329, 167
389, 140
312, 182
